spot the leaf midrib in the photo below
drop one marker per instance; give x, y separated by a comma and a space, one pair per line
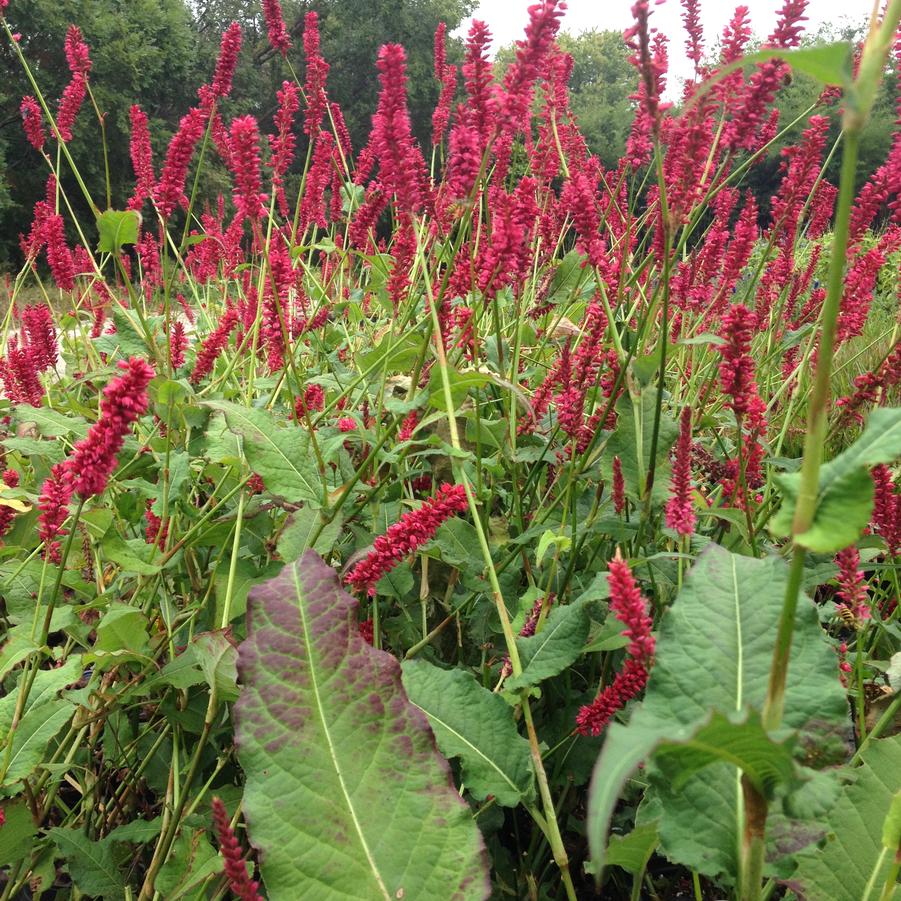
469, 744
328, 737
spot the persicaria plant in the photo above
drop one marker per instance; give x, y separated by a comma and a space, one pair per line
457, 516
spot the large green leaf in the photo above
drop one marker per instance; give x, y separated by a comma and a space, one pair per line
346, 795
841, 868
845, 496
281, 456
555, 647
476, 725
713, 652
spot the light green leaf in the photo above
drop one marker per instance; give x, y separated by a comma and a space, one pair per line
17, 834
633, 851
346, 795
50, 423
193, 859
850, 857
845, 496
218, 659
476, 725
122, 628
548, 538
559, 643
117, 228
48, 683
280, 455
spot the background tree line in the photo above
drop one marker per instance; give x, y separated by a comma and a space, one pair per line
157, 52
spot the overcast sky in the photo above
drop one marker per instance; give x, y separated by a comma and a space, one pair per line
507, 20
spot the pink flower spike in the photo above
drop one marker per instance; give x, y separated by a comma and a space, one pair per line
275, 26
410, 532
680, 514
124, 401
239, 882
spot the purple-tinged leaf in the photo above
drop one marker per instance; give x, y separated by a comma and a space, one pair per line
346, 795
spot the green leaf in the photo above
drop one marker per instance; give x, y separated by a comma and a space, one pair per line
17, 833
50, 423
32, 736
45, 688
548, 538
122, 628
554, 648
137, 831
737, 739
458, 543
117, 228
51, 451
476, 725
393, 353
297, 535
193, 859
845, 497
633, 851
92, 864
714, 649
280, 455
218, 659
460, 385
850, 856
346, 795
827, 63
127, 341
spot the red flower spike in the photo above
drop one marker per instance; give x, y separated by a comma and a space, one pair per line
53, 504
631, 608
680, 513
7, 514
235, 869
316, 73
124, 401
619, 487
852, 585
141, 158
275, 26
411, 531
227, 61
32, 122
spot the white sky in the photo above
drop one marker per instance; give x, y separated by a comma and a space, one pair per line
507, 20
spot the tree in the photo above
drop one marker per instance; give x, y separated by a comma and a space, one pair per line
602, 81
142, 51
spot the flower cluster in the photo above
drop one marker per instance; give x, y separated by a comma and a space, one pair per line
239, 882
411, 531
631, 610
